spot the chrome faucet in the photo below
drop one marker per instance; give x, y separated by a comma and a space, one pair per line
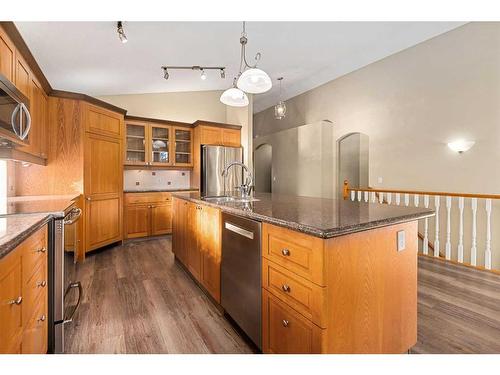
245, 187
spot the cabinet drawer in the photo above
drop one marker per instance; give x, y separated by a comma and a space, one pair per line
34, 289
135, 198
297, 252
35, 333
285, 331
34, 252
304, 296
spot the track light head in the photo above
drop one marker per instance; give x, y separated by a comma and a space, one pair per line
203, 75
223, 73
121, 33
165, 73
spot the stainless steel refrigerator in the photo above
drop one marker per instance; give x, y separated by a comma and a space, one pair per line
213, 161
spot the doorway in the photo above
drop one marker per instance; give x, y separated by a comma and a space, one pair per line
353, 159
263, 164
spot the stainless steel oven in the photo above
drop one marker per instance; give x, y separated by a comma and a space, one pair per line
15, 119
66, 292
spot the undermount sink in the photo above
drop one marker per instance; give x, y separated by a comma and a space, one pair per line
226, 199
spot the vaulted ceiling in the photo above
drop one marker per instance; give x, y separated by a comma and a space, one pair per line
88, 57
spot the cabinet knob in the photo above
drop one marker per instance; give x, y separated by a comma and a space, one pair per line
286, 288
41, 250
285, 323
285, 252
42, 283
42, 318
16, 301
88, 198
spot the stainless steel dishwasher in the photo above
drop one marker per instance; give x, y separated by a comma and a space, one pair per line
241, 273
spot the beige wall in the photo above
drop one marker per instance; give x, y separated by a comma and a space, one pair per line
410, 105
189, 107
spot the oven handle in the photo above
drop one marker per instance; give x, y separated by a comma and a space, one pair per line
80, 295
74, 215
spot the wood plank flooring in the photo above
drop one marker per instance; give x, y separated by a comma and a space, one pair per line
137, 299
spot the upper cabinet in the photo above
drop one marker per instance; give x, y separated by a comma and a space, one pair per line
211, 135
7, 56
159, 145
103, 122
23, 76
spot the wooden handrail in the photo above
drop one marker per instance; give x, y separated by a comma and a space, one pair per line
347, 189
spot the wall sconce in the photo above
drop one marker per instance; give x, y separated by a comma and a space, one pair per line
461, 145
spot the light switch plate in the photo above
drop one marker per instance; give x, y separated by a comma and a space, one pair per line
401, 240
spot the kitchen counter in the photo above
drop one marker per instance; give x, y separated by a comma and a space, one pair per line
319, 217
21, 216
163, 190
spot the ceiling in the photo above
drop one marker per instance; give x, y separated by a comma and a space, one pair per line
88, 57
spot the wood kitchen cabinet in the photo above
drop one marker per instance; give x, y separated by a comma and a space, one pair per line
24, 297
7, 56
147, 214
197, 243
158, 144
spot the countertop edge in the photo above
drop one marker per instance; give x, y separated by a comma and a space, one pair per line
324, 234
11, 244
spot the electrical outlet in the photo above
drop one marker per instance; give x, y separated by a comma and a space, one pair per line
380, 180
401, 240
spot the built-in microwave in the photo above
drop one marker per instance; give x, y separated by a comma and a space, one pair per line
15, 118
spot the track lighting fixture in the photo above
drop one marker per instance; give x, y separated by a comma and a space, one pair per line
121, 33
202, 69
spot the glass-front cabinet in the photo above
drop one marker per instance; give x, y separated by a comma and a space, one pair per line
150, 144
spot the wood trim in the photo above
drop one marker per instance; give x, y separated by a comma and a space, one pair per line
215, 124
88, 99
468, 265
21, 46
158, 121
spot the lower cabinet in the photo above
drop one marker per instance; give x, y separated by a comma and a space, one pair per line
24, 297
147, 214
196, 242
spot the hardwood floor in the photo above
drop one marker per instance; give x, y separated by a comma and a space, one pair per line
137, 299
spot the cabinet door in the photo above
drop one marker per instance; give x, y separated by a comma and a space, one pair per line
193, 251
7, 57
161, 219
35, 333
101, 121
210, 135
136, 142
137, 221
23, 76
160, 145
183, 153
103, 222
231, 137
11, 303
180, 230
209, 237
38, 111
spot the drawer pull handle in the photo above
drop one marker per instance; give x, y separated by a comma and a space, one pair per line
42, 250
41, 283
285, 252
42, 318
16, 301
285, 323
286, 288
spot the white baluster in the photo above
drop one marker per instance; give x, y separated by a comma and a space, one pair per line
436, 239
407, 199
366, 196
473, 249
353, 195
425, 245
374, 196
398, 198
380, 197
416, 200
389, 198
448, 229
460, 249
359, 196
487, 252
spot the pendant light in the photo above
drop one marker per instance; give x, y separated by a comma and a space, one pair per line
280, 108
252, 80
234, 97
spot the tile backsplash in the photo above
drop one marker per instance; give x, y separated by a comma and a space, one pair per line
155, 179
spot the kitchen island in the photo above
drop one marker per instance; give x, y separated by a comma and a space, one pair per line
337, 276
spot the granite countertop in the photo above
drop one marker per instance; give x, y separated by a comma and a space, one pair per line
22, 216
162, 190
319, 217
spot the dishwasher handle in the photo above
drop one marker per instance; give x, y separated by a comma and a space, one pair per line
238, 230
